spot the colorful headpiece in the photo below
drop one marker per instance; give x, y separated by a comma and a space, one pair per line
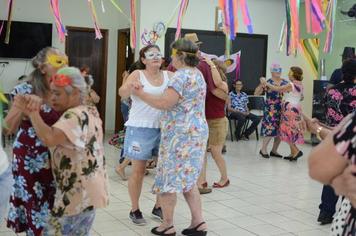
57, 61
61, 80
276, 68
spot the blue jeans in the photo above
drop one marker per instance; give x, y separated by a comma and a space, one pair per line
6, 182
328, 200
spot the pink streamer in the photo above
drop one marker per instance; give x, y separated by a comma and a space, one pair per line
308, 15
246, 16
98, 34
182, 9
9, 3
61, 30
133, 24
318, 19
295, 24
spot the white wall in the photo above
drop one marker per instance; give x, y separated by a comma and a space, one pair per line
74, 13
267, 17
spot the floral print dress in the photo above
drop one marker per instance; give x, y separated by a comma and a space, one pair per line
344, 223
78, 167
33, 191
292, 115
184, 135
272, 111
340, 101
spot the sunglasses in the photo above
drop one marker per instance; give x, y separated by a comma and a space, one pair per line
153, 55
61, 80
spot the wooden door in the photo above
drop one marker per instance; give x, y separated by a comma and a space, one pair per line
83, 49
125, 57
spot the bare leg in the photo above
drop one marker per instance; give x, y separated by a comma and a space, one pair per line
220, 162
202, 177
265, 143
168, 203
293, 149
158, 202
120, 169
194, 202
135, 182
276, 143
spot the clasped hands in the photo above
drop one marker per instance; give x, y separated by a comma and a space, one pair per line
28, 103
136, 87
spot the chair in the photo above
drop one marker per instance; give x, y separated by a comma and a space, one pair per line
256, 106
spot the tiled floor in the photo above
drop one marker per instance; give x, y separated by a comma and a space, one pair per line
266, 197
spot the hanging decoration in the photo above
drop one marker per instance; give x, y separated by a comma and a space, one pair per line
282, 37
9, 19
133, 24
102, 6
316, 16
169, 22
61, 30
98, 34
246, 16
150, 38
182, 9
310, 49
330, 15
120, 10
292, 32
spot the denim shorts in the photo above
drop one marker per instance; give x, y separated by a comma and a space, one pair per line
141, 144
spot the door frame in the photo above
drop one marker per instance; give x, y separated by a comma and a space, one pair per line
120, 68
105, 33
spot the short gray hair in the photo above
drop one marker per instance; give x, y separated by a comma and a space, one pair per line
78, 81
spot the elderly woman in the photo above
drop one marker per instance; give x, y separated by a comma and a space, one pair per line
330, 159
184, 133
76, 142
272, 112
289, 131
33, 191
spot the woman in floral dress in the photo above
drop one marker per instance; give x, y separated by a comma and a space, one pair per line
33, 190
291, 111
184, 134
78, 165
272, 112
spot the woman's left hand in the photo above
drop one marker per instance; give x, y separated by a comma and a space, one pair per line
137, 90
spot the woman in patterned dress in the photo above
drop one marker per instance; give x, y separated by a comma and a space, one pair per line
76, 142
272, 112
291, 111
184, 134
33, 190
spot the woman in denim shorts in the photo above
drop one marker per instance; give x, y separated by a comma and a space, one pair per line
142, 135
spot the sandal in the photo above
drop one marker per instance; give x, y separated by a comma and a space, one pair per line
217, 185
156, 232
151, 164
194, 231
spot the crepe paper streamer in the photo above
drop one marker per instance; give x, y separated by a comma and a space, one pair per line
282, 37
238, 67
246, 16
308, 15
292, 32
169, 22
1, 27
133, 24
9, 19
331, 13
61, 30
98, 34
120, 10
318, 18
182, 9
102, 6
310, 49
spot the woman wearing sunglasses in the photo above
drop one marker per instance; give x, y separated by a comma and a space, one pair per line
34, 186
142, 134
76, 142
